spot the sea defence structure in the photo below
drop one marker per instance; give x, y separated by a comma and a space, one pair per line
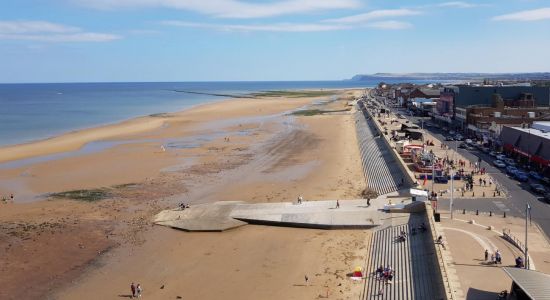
383, 173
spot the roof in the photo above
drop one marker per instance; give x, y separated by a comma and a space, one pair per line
430, 92
535, 284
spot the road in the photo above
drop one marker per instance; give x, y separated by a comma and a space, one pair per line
518, 194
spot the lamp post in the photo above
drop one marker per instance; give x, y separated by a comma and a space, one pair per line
452, 192
527, 214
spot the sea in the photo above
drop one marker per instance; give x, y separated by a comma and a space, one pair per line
30, 112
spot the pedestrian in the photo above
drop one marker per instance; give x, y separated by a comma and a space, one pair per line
486, 254
337, 204
133, 289
484, 182
493, 258
11, 197
138, 290
490, 181
300, 199
368, 201
306, 279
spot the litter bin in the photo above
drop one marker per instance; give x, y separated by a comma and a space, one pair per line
437, 217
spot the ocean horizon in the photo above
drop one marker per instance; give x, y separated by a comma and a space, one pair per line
36, 111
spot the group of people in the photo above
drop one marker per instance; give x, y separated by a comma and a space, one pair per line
496, 258
136, 290
6, 199
519, 262
183, 206
385, 274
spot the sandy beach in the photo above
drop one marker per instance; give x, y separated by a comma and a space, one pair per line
241, 149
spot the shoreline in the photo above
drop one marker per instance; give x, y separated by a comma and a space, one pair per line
73, 140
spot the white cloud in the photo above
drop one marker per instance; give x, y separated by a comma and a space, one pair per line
393, 25
458, 4
526, 15
230, 8
376, 15
278, 27
49, 32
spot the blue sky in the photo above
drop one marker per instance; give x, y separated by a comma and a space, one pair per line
204, 40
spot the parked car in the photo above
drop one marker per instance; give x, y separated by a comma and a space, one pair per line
510, 162
510, 170
485, 149
441, 179
545, 180
535, 175
459, 137
499, 164
462, 145
501, 157
468, 141
521, 176
537, 188
449, 138
452, 132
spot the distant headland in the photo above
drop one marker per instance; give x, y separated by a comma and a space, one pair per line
452, 76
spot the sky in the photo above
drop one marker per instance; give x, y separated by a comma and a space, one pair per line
241, 40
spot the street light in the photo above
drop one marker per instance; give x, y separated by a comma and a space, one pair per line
527, 213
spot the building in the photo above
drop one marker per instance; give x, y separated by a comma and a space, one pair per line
529, 145
482, 111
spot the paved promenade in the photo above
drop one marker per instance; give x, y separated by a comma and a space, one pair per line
466, 243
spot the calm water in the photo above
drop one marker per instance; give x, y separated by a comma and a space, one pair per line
36, 111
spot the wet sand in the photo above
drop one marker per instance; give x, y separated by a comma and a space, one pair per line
232, 150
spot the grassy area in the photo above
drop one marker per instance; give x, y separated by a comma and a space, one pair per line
293, 94
83, 195
314, 112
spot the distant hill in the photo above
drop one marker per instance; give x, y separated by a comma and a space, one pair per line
453, 76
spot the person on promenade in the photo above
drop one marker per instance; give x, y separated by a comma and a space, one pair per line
306, 279
486, 254
133, 290
300, 198
337, 204
138, 290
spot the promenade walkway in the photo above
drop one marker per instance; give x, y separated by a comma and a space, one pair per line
381, 171
413, 262
479, 278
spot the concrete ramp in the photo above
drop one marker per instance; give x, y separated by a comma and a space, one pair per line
219, 216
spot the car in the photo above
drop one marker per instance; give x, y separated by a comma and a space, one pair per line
449, 138
545, 180
462, 145
501, 157
521, 176
510, 170
469, 141
537, 188
510, 162
546, 197
485, 149
469, 148
535, 175
427, 124
459, 137
452, 132
441, 179
499, 164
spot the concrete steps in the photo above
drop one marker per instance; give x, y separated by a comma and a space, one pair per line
412, 262
379, 167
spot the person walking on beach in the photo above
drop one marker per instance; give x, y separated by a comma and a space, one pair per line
138, 290
133, 289
337, 204
368, 201
486, 254
306, 279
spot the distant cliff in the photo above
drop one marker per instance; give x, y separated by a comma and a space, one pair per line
453, 76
